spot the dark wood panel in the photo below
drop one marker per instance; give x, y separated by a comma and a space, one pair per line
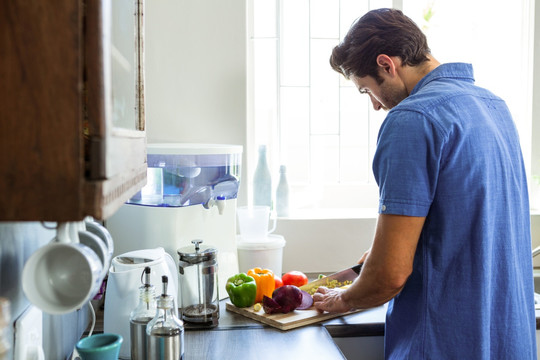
40, 94
46, 53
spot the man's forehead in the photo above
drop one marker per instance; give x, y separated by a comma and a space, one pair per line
363, 81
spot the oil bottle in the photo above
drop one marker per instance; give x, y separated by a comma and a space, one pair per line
165, 331
141, 316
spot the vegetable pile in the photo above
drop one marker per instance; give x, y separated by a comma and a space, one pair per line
277, 295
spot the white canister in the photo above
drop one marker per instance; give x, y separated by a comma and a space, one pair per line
266, 254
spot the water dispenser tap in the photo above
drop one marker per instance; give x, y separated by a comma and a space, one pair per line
219, 202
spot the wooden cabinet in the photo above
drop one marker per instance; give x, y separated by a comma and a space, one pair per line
72, 125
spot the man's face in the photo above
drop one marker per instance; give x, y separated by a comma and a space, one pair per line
383, 96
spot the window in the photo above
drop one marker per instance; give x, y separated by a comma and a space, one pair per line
499, 46
315, 122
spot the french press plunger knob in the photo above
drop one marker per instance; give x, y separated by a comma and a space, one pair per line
196, 242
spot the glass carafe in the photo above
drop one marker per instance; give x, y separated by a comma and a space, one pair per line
199, 285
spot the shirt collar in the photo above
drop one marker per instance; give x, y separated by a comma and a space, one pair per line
450, 70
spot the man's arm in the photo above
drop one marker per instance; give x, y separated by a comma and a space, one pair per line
386, 268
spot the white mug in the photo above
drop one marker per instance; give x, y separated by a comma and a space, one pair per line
104, 234
63, 275
253, 222
98, 246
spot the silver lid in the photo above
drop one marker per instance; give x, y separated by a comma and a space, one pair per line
197, 253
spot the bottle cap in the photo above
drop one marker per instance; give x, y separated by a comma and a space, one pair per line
146, 274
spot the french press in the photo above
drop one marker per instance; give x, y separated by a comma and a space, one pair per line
199, 285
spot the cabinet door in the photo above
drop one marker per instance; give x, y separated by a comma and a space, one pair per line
115, 127
60, 156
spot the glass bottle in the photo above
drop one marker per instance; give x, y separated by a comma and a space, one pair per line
165, 331
282, 193
262, 181
141, 316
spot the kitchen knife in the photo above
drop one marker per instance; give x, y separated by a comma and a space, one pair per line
348, 274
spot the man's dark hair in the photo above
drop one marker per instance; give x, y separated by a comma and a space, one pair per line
381, 31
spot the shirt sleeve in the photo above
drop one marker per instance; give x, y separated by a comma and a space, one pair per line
406, 163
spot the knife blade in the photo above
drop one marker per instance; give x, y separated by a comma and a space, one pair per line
348, 274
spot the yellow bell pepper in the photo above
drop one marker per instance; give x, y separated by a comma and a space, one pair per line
265, 282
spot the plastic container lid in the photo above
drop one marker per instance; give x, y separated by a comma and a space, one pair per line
271, 242
193, 149
175, 155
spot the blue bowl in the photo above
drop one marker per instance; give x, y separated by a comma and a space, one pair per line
100, 347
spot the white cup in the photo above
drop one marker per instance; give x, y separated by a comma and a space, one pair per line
63, 275
101, 232
98, 246
253, 222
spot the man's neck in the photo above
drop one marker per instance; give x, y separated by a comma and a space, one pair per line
411, 75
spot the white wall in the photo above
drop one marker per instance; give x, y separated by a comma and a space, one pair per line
195, 59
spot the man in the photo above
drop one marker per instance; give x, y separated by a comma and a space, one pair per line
452, 247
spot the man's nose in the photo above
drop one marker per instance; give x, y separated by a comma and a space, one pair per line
376, 104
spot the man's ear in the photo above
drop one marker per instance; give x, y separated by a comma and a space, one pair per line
386, 64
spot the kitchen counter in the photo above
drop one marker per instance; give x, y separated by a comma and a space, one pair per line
311, 342
238, 337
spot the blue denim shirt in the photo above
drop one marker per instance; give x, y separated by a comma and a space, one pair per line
450, 152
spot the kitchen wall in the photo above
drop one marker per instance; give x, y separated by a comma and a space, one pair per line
196, 72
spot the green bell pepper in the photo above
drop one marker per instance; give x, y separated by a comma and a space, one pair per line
242, 290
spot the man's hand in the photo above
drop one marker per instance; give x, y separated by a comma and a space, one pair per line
387, 266
363, 258
330, 300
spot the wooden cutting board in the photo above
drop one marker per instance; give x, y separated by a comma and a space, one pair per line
292, 320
